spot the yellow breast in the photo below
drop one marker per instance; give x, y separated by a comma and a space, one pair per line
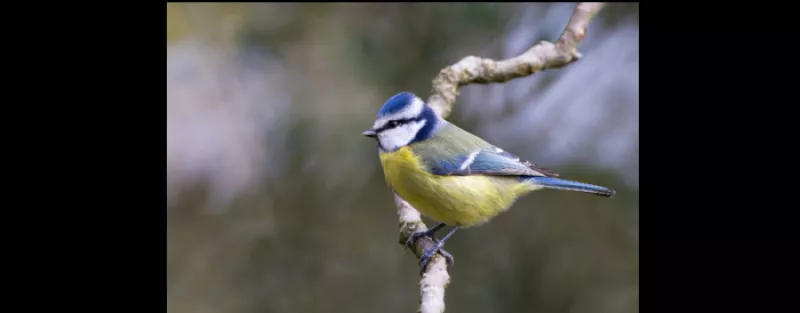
454, 200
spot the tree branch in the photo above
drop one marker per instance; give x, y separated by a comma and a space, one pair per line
475, 70
544, 55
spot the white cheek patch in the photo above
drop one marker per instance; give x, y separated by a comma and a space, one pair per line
392, 139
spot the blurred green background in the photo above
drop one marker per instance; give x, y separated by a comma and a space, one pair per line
276, 203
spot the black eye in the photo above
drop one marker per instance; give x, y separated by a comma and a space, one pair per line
393, 124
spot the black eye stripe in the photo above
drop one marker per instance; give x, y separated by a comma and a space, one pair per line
394, 123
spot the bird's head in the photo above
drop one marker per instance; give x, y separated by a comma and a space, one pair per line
404, 119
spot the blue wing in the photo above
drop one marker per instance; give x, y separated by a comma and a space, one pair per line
454, 151
489, 161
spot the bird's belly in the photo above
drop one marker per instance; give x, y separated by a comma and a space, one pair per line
455, 200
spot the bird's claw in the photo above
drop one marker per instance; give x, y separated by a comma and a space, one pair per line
428, 254
426, 257
414, 236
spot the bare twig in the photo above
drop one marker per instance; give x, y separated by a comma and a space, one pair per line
475, 70
544, 55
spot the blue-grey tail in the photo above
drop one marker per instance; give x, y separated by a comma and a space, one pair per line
563, 184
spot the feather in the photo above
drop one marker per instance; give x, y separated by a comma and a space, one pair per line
452, 151
563, 184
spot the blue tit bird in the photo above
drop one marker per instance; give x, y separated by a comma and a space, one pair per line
451, 175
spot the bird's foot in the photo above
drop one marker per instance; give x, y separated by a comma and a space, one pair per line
428, 233
426, 257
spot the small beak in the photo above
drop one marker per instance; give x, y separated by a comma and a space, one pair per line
369, 133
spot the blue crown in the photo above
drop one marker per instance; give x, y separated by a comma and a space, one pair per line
396, 103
